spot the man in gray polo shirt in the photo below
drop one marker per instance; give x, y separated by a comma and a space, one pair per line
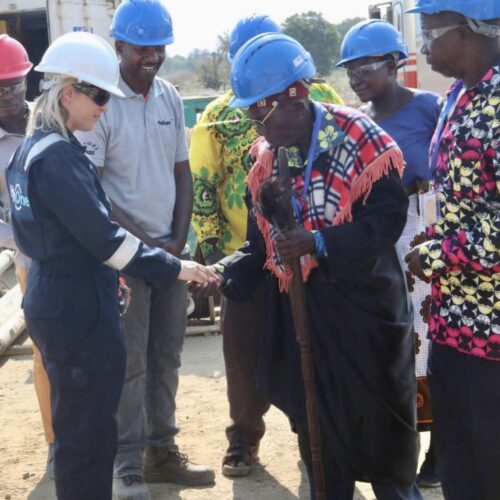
140, 145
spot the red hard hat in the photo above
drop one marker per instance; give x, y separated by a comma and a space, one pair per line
14, 62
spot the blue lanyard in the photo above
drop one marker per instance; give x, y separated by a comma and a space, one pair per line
443, 118
310, 158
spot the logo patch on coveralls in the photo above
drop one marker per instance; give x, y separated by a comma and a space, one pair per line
19, 199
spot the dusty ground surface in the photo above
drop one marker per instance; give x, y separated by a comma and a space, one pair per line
202, 415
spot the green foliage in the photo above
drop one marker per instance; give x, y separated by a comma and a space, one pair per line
177, 63
209, 72
318, 36
214, 69
223, 44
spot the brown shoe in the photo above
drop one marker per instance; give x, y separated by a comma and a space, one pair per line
164, 466
240, 459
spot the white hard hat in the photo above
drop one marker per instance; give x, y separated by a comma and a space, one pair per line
84, 56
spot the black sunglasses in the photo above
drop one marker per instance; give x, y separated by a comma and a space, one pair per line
98, 95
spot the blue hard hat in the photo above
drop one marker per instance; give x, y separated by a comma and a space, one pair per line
268, 64
247, 28
371, 38
142, 22
475, 9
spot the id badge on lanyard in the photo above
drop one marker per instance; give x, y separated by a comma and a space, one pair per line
429, 207
428, 203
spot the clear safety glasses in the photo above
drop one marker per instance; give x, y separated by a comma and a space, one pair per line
14, 89
99, 96
366, 70
428, 36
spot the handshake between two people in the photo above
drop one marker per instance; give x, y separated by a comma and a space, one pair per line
198, 276
203, 281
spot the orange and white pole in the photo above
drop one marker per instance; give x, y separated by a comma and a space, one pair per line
410, 77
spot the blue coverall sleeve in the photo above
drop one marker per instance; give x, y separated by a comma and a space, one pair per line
67, 185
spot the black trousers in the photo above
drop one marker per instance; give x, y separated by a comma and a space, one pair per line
465, 393
342, 487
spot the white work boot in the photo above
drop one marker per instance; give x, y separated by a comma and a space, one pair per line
130, 487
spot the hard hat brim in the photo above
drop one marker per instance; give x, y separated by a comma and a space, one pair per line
236, 102
143, 43
376, 53
19, 73
422, 10
113, 89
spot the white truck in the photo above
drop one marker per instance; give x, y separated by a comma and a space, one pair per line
35, 23
416, 73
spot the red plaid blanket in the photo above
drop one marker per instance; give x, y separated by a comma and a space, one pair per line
340, 176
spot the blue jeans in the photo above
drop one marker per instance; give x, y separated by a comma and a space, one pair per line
154, 327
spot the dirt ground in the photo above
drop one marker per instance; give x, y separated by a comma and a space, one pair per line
202, 416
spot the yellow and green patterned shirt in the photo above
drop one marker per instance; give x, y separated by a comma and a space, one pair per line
220, 161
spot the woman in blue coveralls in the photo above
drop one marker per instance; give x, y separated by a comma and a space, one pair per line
60, 216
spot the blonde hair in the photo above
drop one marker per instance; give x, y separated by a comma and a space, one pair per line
47, 113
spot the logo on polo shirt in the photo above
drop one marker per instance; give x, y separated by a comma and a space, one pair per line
90, 148
164, 122
20, 200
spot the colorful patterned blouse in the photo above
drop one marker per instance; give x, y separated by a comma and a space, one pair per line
219, 159
463, 254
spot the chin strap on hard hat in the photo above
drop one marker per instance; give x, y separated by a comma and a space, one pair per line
45, 84
482, 28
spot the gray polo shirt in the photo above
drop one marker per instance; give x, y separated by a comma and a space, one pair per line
138, 141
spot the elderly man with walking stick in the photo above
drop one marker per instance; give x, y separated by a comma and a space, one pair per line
349, 208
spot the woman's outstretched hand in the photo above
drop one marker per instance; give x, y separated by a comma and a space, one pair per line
192, 271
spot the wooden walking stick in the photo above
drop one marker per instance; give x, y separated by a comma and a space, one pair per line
276, 206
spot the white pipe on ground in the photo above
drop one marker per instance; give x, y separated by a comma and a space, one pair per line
12, 322
6, 260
